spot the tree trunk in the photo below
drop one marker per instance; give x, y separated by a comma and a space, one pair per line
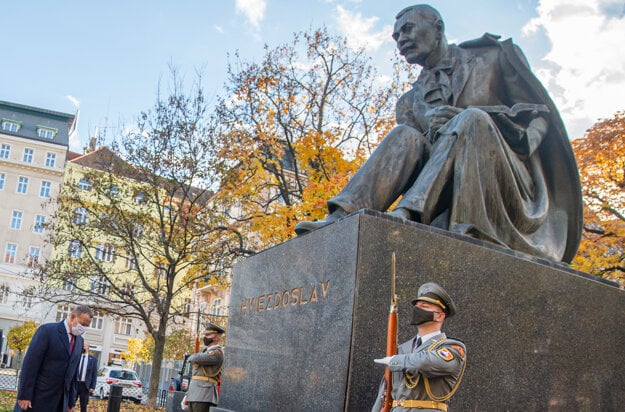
157, 360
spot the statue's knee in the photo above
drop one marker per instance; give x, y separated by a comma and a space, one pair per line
474, 114
403, 133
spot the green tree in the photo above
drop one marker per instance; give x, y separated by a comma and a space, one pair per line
135, 227
295, 127
601, 161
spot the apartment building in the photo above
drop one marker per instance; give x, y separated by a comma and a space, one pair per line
33, 147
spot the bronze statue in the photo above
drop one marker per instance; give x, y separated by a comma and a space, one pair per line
479, 148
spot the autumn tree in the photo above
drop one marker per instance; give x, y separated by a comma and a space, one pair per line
19, 337
295, 127
177, 343
601, 161
135, 227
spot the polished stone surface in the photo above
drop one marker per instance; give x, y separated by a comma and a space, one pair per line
539, 336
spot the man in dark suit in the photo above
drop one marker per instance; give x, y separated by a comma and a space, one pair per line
48, 376
86, 377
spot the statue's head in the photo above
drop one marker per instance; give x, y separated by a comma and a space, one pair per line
420, 35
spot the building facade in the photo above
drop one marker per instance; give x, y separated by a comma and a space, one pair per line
33, 148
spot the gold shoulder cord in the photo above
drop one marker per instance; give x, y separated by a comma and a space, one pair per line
216, 373
412, 382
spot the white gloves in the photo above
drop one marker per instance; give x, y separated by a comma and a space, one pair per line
383, 361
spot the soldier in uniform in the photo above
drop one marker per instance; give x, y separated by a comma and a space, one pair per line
203, 389
428, 369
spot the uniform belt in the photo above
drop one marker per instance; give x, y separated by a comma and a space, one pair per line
408, 403
203, 378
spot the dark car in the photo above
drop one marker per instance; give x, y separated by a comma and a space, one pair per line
181, 382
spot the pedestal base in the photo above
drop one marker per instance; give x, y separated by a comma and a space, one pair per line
308, 317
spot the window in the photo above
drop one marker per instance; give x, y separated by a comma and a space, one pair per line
137, 230
5, 151
46, 132
97, 322
114, 192
160, 271
75, 249
63, 312
80, 215
16, 220
131, 262
27, 157
5, 290
28, 297
22, 185
99, 284
10, 252
44, 191
50, 159
69, 284
105, 252
34, 253
217, 306
11, 126
84, 184
123, 326
2, 179
40, 224
128, 291
140, 199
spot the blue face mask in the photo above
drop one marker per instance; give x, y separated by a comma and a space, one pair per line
420, 316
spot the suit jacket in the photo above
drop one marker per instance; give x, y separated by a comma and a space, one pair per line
91, 374
48, 374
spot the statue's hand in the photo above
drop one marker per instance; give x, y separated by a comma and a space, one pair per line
439, 116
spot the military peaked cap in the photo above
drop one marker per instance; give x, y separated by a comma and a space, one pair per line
434, 293
210, 328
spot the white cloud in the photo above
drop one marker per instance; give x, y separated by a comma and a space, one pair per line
219, 29
358, 30
253, 10
584, 70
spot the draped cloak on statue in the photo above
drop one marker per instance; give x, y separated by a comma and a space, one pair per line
484, 174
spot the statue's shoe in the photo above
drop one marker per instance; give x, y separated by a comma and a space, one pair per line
401, 213
305, 227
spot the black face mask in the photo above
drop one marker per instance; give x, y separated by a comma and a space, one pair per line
208, 341
420, 316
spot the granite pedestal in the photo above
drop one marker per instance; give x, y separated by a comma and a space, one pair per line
308, 317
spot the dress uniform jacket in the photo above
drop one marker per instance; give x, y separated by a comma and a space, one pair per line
432, 372
206, 372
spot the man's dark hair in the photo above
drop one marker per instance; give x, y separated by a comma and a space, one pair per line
80, 309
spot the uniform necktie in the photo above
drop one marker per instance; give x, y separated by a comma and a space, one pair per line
71, 343
417, 344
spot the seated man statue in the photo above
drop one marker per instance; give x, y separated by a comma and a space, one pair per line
479, 148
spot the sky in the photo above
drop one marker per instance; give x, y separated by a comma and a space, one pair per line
108, 58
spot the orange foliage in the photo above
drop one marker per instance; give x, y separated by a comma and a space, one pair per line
601, 161
296, 127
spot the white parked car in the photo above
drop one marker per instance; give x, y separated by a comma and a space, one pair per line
127, 378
